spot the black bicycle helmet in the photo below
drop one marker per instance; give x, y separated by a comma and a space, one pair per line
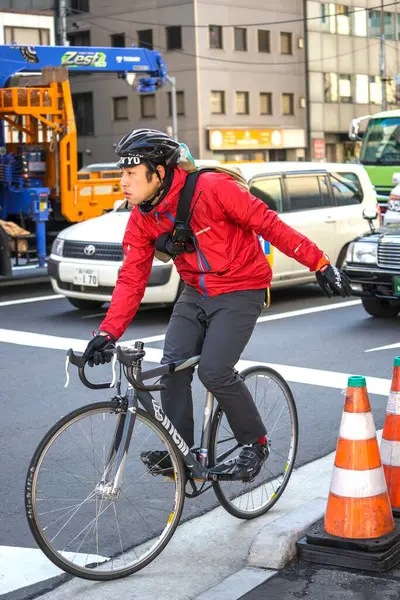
149, 145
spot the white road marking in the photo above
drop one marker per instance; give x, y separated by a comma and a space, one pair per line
308, 311
29, 300
25, 566
91, 316
389, 347
319, 377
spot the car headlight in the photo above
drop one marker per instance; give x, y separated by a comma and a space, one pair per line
362, 252
57, 247
394, 203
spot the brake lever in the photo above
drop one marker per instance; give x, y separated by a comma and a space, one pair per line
113, 369
67, 363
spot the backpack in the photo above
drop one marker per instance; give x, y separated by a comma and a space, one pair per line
180, 239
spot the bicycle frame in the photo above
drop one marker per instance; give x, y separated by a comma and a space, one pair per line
198, 468
127, 407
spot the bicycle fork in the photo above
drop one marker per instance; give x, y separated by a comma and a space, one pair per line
109, 488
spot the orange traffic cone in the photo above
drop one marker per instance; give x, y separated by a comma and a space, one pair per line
390, 444
358, 531
358, 504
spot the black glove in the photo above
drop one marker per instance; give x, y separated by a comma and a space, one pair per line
93, 354
333, 281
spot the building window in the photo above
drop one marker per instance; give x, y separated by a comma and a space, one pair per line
328, 17
180, 103
148, 106
389, 26
288, 104
286, 43
342, 19
79, 38
120, 108
117, 40
83, 109
242, 103
360, 27
375, 89
174, 37
27, 36
345, 91
145, 38
362, 91
215, 34
391, 96
217, 103
264, 40
330, 87
374, 24
79, 5
265, 103
240, 34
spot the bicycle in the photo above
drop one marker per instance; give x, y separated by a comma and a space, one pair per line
83, 520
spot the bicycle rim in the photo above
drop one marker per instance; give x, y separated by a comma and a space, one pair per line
82, 529
277, 408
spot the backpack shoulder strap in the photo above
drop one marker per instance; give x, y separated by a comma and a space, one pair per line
185, 198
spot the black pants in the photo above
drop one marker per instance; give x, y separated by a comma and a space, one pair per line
218, 328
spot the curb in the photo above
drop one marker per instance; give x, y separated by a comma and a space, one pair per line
275, 544
272, 548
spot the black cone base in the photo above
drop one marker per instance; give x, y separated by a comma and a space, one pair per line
377, 555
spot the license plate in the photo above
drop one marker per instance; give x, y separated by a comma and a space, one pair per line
88, 277
396, 285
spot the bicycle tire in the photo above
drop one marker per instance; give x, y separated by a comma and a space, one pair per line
215, 426
30, 493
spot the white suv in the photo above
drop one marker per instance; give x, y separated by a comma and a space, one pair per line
325, 202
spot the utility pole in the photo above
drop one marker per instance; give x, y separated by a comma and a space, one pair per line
61, 21
172, 80
383, 60
308, 152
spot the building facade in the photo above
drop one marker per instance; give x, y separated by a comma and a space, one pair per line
344, 70
26, 27
240, 89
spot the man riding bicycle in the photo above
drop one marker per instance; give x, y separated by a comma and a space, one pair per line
226, 277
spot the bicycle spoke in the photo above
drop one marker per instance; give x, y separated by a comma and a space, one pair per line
82, 517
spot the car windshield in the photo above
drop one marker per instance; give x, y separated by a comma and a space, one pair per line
382, 142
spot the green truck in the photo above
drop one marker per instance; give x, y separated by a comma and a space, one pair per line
380, 150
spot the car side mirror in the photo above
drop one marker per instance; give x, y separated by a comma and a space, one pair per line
396, 178
370, 214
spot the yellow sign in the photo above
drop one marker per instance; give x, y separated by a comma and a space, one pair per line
244, 139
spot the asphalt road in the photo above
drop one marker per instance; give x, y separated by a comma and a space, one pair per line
32, 396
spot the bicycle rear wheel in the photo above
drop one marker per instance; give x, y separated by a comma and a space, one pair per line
82, 527
277, 408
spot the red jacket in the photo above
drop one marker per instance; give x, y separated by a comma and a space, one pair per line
226, 222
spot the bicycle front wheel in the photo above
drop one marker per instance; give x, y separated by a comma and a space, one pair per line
277, 408
86, 528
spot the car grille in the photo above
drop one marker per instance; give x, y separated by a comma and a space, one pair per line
389, 255
101, 290
112, 252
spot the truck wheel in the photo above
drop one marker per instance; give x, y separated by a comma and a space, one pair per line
85, 304
378, 307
